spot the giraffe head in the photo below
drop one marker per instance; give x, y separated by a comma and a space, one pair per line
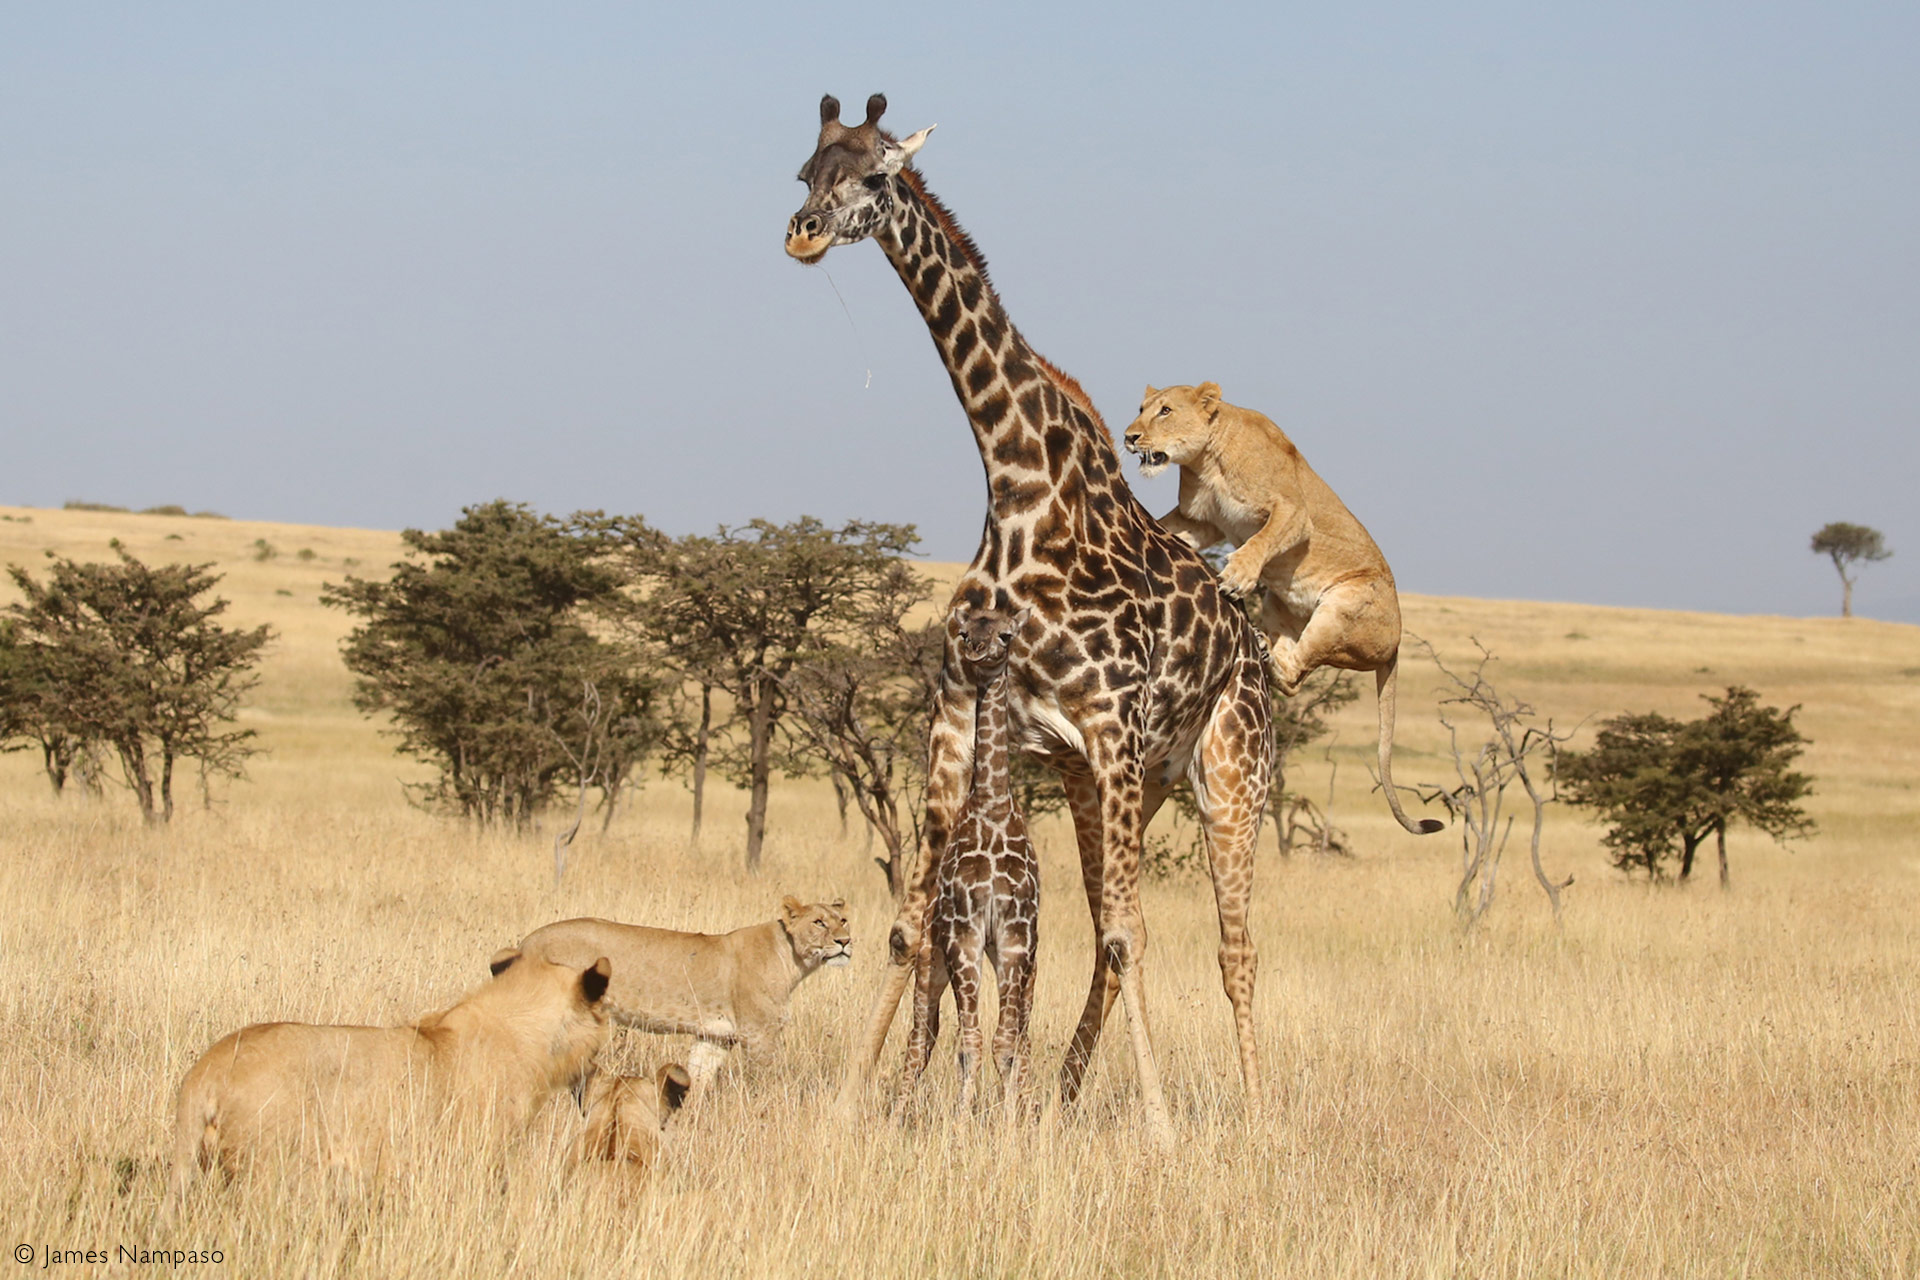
986, 637
848, 192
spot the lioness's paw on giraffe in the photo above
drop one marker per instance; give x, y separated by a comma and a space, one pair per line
1239, 576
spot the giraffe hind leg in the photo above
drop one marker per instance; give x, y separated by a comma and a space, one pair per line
1230, 782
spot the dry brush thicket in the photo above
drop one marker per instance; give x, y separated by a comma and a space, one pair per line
1679, 1082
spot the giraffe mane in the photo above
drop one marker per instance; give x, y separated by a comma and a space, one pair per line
1073, 391
942, 216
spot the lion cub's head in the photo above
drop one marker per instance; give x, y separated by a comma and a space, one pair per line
625, 1116
1174, 425
818, 931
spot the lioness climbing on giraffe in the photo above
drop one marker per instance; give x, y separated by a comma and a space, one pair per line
1330, 598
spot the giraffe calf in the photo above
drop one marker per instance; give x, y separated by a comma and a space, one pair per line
986, 901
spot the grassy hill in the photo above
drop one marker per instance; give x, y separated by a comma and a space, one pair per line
1676, 1082
1857, 681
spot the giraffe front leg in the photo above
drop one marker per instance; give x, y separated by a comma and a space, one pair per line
964, 968
1123, 930
1083, 801
949, 762
1012, 1041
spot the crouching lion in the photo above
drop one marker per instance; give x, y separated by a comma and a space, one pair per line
722, 989
345, 1095
627, 1114
1330, 598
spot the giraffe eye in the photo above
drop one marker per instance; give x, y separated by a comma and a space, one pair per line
874, 181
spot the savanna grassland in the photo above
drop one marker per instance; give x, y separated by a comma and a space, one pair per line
1679, 1082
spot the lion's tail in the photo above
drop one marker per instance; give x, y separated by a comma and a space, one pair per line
1384, 681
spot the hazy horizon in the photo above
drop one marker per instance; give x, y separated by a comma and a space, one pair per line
1613, 305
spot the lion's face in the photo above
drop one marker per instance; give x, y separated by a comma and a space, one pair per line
818, 931
1174, 426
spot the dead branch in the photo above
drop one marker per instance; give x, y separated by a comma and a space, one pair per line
1511, 752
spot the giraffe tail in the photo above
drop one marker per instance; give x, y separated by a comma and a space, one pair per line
1384, 681
865, 1054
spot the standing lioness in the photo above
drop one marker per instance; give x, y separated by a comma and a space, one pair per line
1330, 595
722, 989
345, 1094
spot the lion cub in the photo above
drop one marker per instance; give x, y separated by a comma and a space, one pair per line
722, 989
345, 1094
986, 902
625, 1116
1330, 598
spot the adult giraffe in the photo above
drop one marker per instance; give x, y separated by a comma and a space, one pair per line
1134, 669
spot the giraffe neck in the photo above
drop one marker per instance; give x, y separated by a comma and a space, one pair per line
1039, 436
992, 783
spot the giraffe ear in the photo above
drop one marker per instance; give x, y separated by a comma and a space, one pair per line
894, 155
1018, 622
1209, 393
912, 143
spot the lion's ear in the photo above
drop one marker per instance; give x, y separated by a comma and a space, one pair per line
1209, 393
1149, 393
840, 905
791, 906
674, 1085
503, 960
593, 983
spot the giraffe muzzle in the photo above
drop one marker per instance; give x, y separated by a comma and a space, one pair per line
807, 238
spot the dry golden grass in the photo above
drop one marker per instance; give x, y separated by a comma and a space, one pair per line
1681, 1082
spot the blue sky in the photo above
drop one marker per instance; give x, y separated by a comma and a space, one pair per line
1613, 303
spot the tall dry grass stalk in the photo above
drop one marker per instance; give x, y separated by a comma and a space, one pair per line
1681, 1082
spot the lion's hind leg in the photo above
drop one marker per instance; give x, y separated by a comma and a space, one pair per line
1355, 626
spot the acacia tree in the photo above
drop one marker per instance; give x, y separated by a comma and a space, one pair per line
131, 658
480, 651
758, 601
1847, 544
32, 710
862, 706
1664, 785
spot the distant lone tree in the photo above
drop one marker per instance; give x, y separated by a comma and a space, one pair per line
481, 651
1848, 544
1664, 785
128, 658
